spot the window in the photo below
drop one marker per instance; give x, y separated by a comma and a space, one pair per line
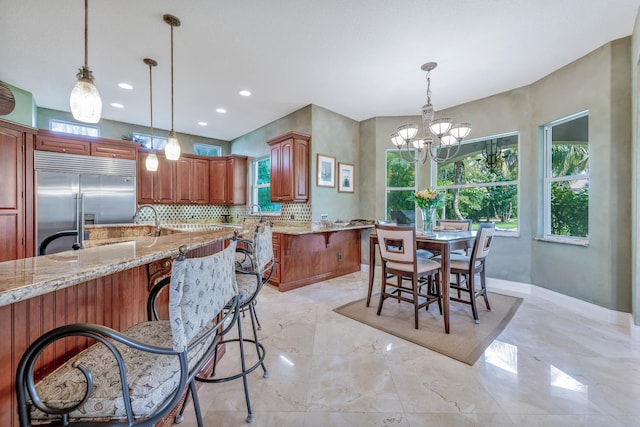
400, 183
206, 149
74, 128
482, 181
566, 178
261, 183
144, 139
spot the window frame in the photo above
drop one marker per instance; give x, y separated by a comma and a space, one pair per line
67, 125
253, 176
549, 179
416, 171
498, 232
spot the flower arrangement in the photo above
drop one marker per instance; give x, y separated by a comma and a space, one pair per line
430, 199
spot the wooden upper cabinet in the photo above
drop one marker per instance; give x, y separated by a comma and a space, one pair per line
192, 180
236, 180
290, 167
158, 186
51, 141
218, 181
123, 150
228, 180
88, 146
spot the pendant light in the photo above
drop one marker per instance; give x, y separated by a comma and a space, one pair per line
172, 148
152, 160
85, 102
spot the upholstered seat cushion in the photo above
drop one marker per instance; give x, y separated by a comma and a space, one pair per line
459, 262
423, 265
152, 377
247, 286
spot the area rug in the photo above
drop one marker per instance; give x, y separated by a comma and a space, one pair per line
466, 341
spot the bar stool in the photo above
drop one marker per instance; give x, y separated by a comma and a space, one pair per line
250, 283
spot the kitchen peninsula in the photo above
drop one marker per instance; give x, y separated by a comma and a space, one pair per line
106, 284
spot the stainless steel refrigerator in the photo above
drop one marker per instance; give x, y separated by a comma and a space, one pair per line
75, 190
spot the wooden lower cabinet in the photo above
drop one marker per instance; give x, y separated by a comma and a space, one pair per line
303, 259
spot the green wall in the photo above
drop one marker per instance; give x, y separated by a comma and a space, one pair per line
24, 110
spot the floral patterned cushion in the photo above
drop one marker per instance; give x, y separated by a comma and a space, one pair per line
200, 288
247, 286
152, 378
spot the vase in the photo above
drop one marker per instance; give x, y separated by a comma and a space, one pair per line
428, 219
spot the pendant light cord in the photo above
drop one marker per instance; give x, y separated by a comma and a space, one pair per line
171, 77
151, 103
86, 33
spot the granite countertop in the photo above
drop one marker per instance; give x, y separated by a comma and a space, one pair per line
26, 278
118, 247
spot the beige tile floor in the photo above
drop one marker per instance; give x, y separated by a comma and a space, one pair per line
549, 367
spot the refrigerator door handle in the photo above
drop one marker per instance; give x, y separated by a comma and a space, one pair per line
79, 221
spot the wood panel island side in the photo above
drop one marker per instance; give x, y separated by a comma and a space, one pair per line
106, 284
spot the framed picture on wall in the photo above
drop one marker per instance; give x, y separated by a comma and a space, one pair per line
326, 169
346, 176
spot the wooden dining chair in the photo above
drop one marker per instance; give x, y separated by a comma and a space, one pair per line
398, 253
466, 267
455, 225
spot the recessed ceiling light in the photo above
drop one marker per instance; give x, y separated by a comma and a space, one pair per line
245, 93
202, 123
117, 105
125, 86
221, 110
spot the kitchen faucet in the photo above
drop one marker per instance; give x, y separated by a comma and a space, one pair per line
252, 211
155, 212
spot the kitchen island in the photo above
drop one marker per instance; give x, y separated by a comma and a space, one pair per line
316, 252
107, 284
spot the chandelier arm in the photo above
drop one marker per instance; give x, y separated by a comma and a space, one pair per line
411, 159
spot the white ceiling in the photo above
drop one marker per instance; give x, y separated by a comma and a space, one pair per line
359, 58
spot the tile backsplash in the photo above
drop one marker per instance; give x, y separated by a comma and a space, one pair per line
291, 212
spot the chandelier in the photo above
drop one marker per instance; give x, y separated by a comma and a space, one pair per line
441, 139
492, 155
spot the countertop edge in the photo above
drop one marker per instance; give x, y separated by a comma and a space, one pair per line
23, 291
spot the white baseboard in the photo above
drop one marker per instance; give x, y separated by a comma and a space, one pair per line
584, 308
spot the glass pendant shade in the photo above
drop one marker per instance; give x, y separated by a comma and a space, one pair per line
407, 132
85, 102
448, 140
151, 162
440, 126
460, 131
172, 148
419, 143
397, 140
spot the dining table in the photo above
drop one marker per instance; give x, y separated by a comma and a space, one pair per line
439, 241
